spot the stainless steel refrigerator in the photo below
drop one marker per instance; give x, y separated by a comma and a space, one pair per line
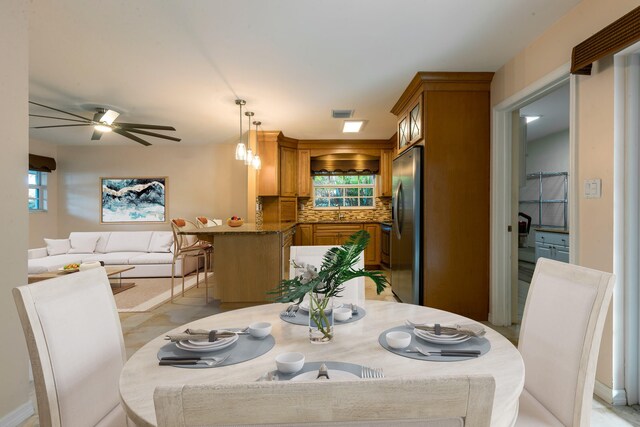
406, 234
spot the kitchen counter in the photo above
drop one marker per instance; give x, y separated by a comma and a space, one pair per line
247, 228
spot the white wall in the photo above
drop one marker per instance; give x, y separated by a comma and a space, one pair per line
201, 181
14, 87
45, 224
549, 153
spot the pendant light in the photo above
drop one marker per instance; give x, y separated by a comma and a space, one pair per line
248, 158
241, 149
257, 163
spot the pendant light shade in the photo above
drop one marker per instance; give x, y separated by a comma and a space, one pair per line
248, 158
257, 163
241, 149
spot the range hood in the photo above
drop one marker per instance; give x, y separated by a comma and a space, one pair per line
345, 164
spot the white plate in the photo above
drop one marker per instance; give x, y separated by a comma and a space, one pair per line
204, 346
304, 306
418, 333
68, 270
430, 334
334, 374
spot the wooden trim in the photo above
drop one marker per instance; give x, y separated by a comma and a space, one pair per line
310, 144
611, 39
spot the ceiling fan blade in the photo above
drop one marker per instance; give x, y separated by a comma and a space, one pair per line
157, 135
60, 118
96, 135
130, 136
60, 111
142, 126
58, 126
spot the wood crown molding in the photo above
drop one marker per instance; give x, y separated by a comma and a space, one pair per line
425, 80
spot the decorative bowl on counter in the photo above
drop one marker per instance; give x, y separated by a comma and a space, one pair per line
235, 222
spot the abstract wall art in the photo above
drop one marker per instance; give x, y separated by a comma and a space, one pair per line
133, 200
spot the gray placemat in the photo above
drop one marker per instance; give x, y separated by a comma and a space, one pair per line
302, 318
474, 343
246, 348
315, 366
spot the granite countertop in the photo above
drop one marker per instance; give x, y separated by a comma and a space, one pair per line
246, 228
552, 230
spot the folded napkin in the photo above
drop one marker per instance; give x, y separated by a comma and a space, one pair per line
199, 335
469, 329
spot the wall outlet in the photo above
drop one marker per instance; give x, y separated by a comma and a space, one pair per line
592, 188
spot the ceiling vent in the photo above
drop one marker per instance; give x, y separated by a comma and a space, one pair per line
341, 114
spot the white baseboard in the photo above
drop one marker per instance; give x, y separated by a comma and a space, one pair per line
612, 397
17, 416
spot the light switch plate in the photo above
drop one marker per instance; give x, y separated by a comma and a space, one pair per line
592, 188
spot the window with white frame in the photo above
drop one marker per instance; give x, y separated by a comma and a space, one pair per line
348, 191
37, 191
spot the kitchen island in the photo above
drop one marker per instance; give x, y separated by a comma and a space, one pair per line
248, 261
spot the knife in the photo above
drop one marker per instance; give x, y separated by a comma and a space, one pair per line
215, 359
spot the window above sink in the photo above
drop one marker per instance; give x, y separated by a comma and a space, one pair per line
344, 191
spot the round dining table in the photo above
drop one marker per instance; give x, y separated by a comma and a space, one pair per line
355, 342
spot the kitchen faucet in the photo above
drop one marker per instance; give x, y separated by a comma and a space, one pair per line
340, 217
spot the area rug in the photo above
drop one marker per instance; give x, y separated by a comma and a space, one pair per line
149, 293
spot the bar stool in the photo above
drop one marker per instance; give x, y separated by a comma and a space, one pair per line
185, 247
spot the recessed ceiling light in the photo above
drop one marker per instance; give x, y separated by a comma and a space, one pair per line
352, 126
531, 118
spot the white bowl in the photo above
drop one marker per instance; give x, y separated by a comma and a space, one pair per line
398, 339
260, 329
341, 314
289, 363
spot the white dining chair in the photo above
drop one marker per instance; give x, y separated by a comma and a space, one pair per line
76, 348
302, 255
559, 341
432, 402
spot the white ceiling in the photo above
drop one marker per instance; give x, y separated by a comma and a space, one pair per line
553, 110
183, 63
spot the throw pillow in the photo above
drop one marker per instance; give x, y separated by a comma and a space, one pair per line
83, 244
57, 246
161, 242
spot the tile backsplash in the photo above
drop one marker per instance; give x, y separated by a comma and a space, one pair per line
382, 212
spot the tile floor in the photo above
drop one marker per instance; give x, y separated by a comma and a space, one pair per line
139, 328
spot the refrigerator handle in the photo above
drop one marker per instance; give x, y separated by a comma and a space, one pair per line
397, 221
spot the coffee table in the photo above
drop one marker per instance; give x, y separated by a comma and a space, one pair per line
112, 273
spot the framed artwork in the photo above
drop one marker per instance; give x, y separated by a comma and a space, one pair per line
133, 200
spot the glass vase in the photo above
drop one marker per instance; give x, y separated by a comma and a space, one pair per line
320, 318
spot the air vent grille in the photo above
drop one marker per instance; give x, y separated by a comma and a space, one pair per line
341, 114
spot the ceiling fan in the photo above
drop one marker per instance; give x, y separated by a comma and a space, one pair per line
104, 121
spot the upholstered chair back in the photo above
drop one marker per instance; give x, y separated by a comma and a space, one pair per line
435, 401
76, 348
560, 337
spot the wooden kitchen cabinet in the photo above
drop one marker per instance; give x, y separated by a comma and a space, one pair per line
279, 209
453, 127
287, 241
304, 235
304, 173
372, 252
386, 174
288, 172
334, 234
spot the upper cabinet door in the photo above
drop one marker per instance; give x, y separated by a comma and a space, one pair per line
410, 125
288, 172
403, 132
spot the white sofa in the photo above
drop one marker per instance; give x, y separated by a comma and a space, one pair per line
150, 252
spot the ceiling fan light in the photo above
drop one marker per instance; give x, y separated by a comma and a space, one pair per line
102, 128
109, 117
241, 151
257, 163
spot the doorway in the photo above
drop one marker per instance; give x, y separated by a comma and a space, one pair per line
541, 174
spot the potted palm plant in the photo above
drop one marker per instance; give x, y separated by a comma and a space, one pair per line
326, 283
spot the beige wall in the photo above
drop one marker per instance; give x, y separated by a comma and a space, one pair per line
594, 129
202, 180
45, 224
14, 87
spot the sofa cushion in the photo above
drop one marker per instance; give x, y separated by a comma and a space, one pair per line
129, 241
152, 258
113, 258
57, 246
103, 238
83, 244
161, 241
52, 263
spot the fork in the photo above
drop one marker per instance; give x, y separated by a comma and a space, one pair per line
294, 310
285, 313
371, 372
